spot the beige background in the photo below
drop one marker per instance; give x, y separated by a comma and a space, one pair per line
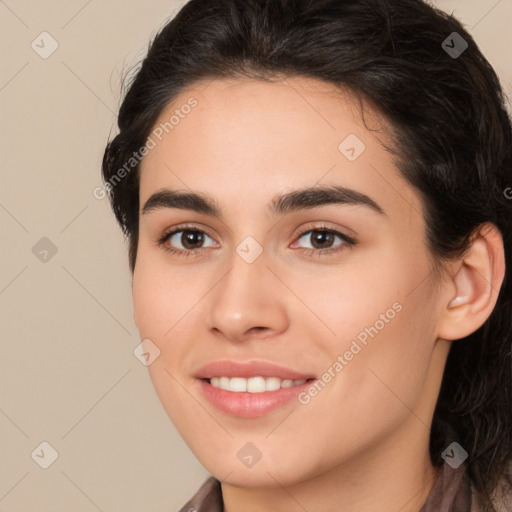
68, 375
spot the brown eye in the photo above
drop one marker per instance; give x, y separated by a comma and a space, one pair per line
189, 239
184, 240
322, 241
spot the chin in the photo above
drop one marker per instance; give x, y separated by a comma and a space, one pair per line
254, 477
267, 472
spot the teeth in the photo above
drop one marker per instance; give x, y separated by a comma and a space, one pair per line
253, 384
237, 384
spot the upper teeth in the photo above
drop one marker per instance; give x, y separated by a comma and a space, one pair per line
254, 384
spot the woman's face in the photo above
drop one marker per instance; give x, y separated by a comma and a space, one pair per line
333, 285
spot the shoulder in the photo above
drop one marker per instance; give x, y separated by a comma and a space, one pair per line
208, 498
501, 496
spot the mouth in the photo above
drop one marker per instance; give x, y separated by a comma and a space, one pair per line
247, 398
258, 384
251, 389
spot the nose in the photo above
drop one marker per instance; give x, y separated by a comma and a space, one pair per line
247, 301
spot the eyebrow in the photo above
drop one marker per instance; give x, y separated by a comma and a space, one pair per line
301, 199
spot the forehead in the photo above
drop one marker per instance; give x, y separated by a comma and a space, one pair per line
243, 137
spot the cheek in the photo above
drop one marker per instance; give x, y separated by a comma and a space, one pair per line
165, 303
380, 319
148, 301
353, 297
160, 298
160, 303
386, 376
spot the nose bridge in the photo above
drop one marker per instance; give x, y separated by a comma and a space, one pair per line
246, 275
244, 298
248, 259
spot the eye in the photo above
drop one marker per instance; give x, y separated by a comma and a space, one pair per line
322, 238
190, 238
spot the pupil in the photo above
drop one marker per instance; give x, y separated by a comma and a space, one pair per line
321, 236
189, 236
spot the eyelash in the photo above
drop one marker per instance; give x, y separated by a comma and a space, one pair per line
348, 241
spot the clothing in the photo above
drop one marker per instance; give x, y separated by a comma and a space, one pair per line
452, 491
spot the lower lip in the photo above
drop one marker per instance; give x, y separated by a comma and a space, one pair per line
250, 405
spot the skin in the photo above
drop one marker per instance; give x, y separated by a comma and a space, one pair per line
362, 443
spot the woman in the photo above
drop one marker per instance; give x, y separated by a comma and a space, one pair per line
369, 369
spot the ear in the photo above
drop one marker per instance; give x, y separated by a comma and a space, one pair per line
472, 285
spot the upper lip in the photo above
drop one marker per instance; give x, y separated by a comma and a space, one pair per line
249, 369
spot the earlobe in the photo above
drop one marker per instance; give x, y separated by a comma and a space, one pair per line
474, 286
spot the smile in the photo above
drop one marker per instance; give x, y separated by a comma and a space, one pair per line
250, 389
253, 384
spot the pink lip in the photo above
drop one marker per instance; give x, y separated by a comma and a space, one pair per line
249, 369
250, 405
